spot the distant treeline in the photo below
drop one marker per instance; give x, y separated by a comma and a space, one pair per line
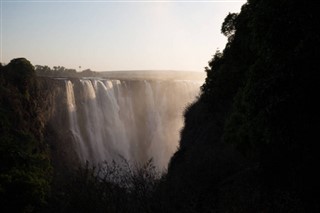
60, 71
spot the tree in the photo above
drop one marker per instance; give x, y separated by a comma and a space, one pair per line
229, 25
24, 161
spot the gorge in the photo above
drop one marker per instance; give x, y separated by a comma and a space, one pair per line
248, 142
100, 119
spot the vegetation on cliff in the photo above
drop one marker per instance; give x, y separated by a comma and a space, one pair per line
25, 170
60, 71
249, 141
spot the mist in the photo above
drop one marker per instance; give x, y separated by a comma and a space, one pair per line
136, 116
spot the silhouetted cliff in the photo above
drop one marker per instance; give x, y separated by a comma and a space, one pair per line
249, 144
25, 171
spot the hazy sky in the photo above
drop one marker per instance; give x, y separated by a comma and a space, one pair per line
114, 35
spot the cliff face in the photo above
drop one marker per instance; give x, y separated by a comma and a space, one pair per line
25, 171
247, 142
96, 120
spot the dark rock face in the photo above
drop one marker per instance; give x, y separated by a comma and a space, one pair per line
247, 142
25, 171
52, 96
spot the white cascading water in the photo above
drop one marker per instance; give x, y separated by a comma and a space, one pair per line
135, 119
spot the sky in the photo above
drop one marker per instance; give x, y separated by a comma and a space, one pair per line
114, 35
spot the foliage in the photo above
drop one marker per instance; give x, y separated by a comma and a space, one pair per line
258, 107
60, 71
110, 187
229, 25
25, 169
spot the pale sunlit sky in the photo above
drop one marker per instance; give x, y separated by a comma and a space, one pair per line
114, 35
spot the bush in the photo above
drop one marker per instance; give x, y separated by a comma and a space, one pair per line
109, 187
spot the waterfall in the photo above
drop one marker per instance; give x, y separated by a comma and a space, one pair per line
132, 119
